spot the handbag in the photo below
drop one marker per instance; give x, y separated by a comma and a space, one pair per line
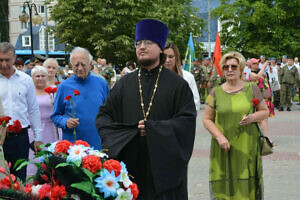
266, 146
274, 85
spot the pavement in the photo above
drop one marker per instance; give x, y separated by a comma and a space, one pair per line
281, 170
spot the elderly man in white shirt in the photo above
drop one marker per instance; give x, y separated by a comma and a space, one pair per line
20, 103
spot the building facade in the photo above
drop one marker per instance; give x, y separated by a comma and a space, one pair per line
19, 32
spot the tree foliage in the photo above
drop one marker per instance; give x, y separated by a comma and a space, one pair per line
254, 27
107, 28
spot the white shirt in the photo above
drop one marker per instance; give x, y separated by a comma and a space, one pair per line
297, 66
247, 72
19, 101
188, 76
273, 76
283, 64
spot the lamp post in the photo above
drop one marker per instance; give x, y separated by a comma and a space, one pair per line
36, 19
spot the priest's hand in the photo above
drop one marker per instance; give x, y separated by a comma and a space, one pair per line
72, 123
141, 126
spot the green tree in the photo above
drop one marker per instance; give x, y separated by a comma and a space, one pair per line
107, 28
254, 27
4, 20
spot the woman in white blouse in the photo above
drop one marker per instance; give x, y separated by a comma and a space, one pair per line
173, 63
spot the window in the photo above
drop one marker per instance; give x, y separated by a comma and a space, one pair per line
51, 40
41, 9
26, 42
24, 25
42, 38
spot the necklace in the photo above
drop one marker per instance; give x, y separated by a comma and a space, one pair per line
153, 94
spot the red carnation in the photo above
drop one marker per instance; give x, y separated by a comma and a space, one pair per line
16, 127
58, 192
43, 166
81, 142
2, 170
45, 191
76, 92
4, 120
48, 90
68, 98
28, 188
92, 163
134, 190
57, 83
45, 177
16, 185
114, 165
62, 146
255, 102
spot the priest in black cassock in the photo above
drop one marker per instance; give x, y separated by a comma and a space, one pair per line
148, 120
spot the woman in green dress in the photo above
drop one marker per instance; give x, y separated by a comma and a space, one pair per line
235, 160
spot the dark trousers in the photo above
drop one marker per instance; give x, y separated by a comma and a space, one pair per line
16, 147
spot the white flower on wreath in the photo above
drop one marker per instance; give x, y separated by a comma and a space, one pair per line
124, 178
97, 153
124, 194
76, 153
36, 189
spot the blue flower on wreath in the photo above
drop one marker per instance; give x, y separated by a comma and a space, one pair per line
107, 183
51, 148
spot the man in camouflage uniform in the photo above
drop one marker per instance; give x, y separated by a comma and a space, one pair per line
288, 78
197, 71
209, 76
106, 71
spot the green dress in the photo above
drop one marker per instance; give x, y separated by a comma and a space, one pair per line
237, 174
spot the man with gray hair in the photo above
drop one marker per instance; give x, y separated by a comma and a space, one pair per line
78, 114
18, 96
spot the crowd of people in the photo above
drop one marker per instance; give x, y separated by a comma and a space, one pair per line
148, 118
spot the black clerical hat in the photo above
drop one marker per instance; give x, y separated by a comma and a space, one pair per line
151, 29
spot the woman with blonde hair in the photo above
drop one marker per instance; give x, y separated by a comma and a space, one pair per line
230, 116
173, 63
52, 67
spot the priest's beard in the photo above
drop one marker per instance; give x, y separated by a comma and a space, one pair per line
147, 62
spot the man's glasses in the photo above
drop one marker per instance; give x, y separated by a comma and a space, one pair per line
233, 67
78, 64
146, 43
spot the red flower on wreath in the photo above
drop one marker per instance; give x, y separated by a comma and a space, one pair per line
16, 127
45, 191
58, 192
28, 188
255, 102
76, 92
62, 146
92, 163
134, 190
113, 165
81, 142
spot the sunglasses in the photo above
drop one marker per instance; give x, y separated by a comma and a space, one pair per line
233, 67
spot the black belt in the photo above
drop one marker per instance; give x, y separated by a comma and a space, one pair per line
14, 134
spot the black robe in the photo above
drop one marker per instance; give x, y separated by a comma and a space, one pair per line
158, 161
